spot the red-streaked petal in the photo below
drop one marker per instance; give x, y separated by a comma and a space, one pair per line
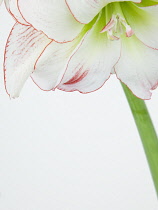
91, 65
51, 65
24, 46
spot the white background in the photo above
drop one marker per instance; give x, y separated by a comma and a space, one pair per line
68, 151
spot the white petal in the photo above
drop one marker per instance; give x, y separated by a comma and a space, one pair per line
144, 25
91, 65
51, 65
84, 11
12, 7
23, 48
138, 67
52, 17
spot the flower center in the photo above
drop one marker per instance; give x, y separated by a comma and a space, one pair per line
116, 27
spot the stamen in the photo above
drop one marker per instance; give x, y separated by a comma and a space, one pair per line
116, 27
110, 25
129, 31
111, 36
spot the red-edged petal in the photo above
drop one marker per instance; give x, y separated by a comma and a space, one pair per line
91, 64
51, 17
138, 67
12, 7
24, 46
144, 25
85, 10
51, 65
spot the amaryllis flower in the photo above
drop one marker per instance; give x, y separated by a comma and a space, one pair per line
77, 44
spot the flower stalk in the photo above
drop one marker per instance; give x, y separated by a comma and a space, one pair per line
146, 131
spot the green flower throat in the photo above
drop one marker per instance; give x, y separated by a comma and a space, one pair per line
118, 19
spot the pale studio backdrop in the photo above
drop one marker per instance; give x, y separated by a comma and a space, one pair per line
68, 151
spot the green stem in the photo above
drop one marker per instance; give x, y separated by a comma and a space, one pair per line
146, 131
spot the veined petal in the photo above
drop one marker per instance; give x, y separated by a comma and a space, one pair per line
51, 66
12, 7
51, 17
144, 23
138, 67
91, 65
84, 11
24, 46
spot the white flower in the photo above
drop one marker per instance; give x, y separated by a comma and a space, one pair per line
77, 44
